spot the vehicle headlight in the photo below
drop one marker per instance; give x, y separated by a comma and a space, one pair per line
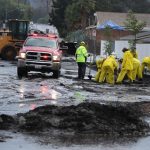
56, 58
23, 55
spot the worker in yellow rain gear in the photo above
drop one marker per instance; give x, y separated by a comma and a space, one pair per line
145, 63
134, 52
107, 72
137, 70
99, 64
126, 67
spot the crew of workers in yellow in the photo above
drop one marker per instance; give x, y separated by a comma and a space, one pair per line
130, 67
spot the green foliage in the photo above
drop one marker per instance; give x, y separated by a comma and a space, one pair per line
85, 5
108, 48
57, 16
14, 9
139, 6
108, 44
134, 25
70, 15
77, 13
77, 36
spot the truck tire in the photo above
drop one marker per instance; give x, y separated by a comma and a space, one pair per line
56, 74
22, 72
8, 53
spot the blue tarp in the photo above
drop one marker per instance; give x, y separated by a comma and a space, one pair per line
111, 24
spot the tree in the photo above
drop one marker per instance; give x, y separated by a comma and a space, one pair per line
11, 10
134, 25
123, 6
108, 48
69, 15
57, 16
78, 13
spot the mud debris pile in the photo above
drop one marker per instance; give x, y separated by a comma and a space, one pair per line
106, 120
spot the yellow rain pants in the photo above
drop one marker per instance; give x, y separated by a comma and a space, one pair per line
107, 72
99, 67
137, 69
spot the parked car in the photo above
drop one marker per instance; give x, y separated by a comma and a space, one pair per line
40, 52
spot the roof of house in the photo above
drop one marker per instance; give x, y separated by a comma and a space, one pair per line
119, 18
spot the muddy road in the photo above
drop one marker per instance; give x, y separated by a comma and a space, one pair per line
24, 97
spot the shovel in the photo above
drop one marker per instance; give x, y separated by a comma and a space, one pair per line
90, 66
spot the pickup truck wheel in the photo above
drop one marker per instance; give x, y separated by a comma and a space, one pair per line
22, 72
8, 53
56, 74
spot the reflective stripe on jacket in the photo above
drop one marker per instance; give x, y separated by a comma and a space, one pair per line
81, 54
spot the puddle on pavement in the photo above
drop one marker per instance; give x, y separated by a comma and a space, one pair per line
24, 95
36, 96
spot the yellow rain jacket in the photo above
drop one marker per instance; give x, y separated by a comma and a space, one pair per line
137, 69
127, 61
127, 67
146, 62
108, 67
81, 54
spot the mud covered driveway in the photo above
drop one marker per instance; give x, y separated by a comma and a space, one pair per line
20, 96
40, 89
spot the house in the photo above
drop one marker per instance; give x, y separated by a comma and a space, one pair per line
119, 19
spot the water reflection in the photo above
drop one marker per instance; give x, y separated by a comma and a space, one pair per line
21, 90
34, 95
49, 93
44, 89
